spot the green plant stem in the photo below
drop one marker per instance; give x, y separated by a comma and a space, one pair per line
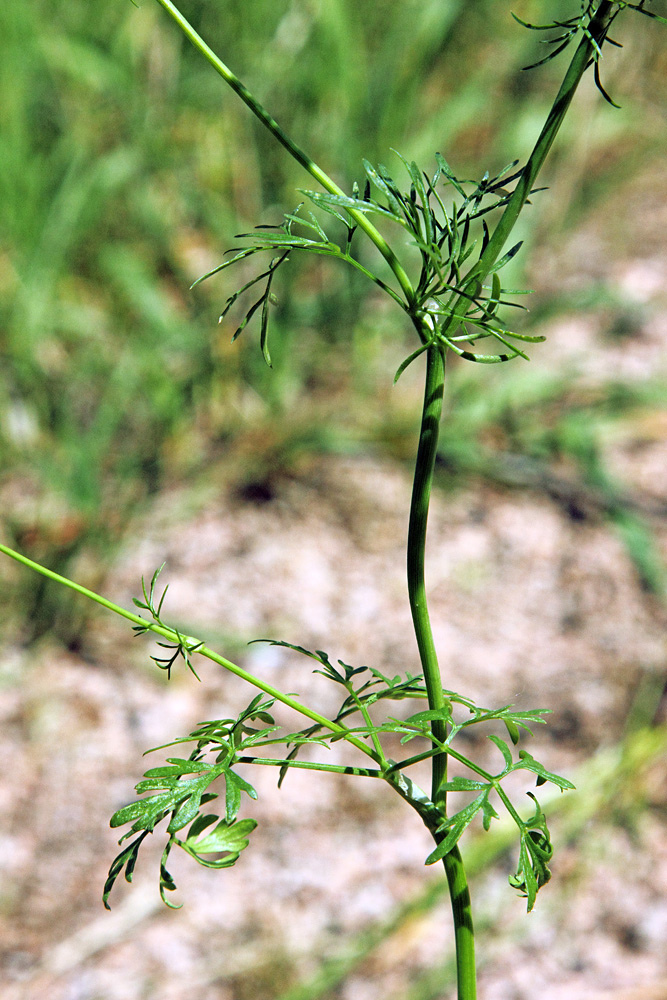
176, 638
604, 778
464, 933
421, 492
434, 388
315, 171
428, 440
580, 61
362, 772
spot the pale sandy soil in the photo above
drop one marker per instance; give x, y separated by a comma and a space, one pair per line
529, 607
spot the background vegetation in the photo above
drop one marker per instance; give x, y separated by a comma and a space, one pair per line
126, 169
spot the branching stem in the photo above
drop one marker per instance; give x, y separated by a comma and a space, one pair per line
315, 171
580, 62
423, 478
431, 810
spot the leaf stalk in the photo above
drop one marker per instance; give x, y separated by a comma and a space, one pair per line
194, 645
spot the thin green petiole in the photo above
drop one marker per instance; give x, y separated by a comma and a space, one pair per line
177, 638
369, 722
362, 772
502, 794
446, 750
400, 765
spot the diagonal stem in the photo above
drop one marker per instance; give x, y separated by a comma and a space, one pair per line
580, 61
362, 772
315, 171
172, 636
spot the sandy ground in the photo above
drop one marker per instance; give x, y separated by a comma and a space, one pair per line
529, 606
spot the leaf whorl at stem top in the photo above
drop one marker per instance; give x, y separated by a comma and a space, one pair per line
448, 308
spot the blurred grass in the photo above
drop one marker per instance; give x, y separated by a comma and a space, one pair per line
126, 168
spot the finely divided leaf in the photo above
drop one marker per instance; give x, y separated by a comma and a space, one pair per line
507, 257
323, 199
464, 785
443, 714
513, 730
228, 838
381, 183
234, 785
535, 853
504, 749
456, 825
488, 813
529, 763
126, 859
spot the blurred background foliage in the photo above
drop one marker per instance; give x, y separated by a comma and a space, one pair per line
126, 168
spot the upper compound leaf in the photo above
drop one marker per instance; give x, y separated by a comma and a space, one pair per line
447, 171
323, 199
535, 853
507, 257
381, 184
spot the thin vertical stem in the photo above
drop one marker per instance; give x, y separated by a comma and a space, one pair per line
428, 442
464, 933
421, 494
